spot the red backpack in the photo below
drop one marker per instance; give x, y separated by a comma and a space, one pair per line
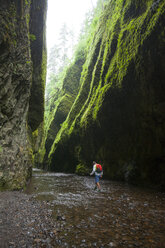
99, 168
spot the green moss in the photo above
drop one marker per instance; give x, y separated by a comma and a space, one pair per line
12, 10
117, 92
44, 70
39, 59
35, 134
82, 170
128, 40
27, 2
15, 181
2, 182
62, 104
32, 37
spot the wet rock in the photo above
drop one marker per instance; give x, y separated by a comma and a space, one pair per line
17, 19
112, 244
60, 218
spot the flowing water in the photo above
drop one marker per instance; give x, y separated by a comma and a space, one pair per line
118, 216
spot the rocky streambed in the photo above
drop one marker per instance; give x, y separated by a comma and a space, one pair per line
63, 210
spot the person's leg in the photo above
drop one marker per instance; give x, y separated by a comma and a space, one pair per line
98, 185
97, 182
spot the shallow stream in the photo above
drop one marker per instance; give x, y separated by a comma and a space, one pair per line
118, 216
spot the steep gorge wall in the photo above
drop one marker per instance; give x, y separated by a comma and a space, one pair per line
37, 27
17, 68
61, 104
118, 118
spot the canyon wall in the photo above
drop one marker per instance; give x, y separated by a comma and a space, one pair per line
118, 117
22, 70
61, 105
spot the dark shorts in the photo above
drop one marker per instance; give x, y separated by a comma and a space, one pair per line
97, 178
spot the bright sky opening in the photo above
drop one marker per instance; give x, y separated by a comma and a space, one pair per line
71, 12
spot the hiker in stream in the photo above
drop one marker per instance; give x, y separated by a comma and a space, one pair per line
98, 171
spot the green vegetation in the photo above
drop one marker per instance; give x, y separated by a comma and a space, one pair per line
32, 37
27, 2
39, 59
23, 68
105, 119
82, 170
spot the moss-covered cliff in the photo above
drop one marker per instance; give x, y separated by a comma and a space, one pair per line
118, 117
17, 68
61, 105
37, 27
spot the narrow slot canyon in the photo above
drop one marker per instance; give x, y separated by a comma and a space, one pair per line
82, 81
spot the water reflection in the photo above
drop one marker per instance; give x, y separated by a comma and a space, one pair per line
118, 216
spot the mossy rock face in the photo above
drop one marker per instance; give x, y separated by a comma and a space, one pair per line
16, 73
71, 82
118, 116
63, 103
37, 29
60, 114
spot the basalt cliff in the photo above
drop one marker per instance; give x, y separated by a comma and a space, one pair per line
111, 108
22, 83
118, 115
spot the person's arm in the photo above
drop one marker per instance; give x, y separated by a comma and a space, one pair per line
93, 171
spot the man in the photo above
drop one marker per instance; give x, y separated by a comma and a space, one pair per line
98, 171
